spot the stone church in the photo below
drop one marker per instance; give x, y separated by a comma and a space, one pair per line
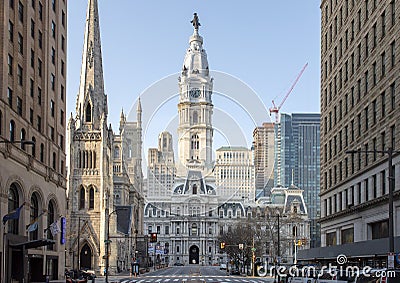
105, 179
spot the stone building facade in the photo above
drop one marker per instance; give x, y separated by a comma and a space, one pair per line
104, 171
359, 111
32, 108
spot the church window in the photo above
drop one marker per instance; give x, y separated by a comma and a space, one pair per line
194, 189
91, 198
116, 152
195, 142
82, 198
89, 113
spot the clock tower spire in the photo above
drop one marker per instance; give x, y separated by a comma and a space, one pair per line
195, 108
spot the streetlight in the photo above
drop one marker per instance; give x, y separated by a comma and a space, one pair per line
108, 239
390, 151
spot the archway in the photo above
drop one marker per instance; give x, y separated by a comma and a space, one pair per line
194, 255
86, 257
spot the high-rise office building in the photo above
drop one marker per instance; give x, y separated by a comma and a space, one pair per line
359, 111
32, 108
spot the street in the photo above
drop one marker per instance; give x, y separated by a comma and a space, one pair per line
192, 274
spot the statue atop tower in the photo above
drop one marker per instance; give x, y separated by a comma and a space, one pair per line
195, 21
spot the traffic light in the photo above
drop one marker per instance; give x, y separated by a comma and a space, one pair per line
222, 245
153, 238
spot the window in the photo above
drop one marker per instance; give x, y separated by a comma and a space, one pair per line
393, 136
383, 104
39, 67
13, 204
62, 68
10, 31
20, 12
366, 45
62, 43
88, 113
366, 118
32, 58
374, 74
379, 229
374, 112
50, 220
62, 118
31, 115
393, 53
383, 22
39, 123
10, 97
39, 96
19, 106
32, 28
63, 18
383, 63
195, 142
53, 55
331, 239
12, 131
347, 235
366, 9
52, 106
41, 152
20, 43
366, 82
34, 147
40, 11
359, 19
53, 82
393, 12
52, 133
82, 198
53, 29
61, 141
383, 182
166, 230
374, 36
62, 90
91, 198
11, 2
53, 5
383, 145
374, 147
40, 39
10, 65
19, 75
34, 214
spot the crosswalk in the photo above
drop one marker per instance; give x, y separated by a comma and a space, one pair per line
180, 279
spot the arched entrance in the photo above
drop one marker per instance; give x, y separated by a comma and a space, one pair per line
86, 257
194, 255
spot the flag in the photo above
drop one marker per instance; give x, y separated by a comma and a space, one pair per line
34, 223
54, 228
12, 215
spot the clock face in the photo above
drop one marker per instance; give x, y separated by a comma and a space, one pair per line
194, 92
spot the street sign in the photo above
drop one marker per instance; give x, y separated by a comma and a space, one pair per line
390, 260
253, 249
241, 246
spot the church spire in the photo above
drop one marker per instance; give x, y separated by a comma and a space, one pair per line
91, 107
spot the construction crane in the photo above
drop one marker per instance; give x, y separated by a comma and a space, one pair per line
274, 109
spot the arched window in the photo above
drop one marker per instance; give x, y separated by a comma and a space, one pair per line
194, 229
1, 122
195, 141
82, 198
88, 113
23, 137
116, 152
12, 130
194, 189
34, 213
50, 220
13, 204
34, 147
195, 117
94, 159
41, 152
91, 198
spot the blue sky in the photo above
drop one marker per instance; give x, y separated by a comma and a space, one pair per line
262, 44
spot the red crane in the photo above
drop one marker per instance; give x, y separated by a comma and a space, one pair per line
274, 109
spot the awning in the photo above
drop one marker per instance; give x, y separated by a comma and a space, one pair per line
33, 244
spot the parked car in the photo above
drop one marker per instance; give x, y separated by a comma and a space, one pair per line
222, 266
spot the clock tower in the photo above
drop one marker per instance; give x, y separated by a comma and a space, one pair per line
195, 108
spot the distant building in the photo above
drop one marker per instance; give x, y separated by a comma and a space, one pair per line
105, 180
32, 108
234, 174
264, 148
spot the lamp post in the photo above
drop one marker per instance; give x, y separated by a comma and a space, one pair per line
108, 240
23, 143
390, 151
